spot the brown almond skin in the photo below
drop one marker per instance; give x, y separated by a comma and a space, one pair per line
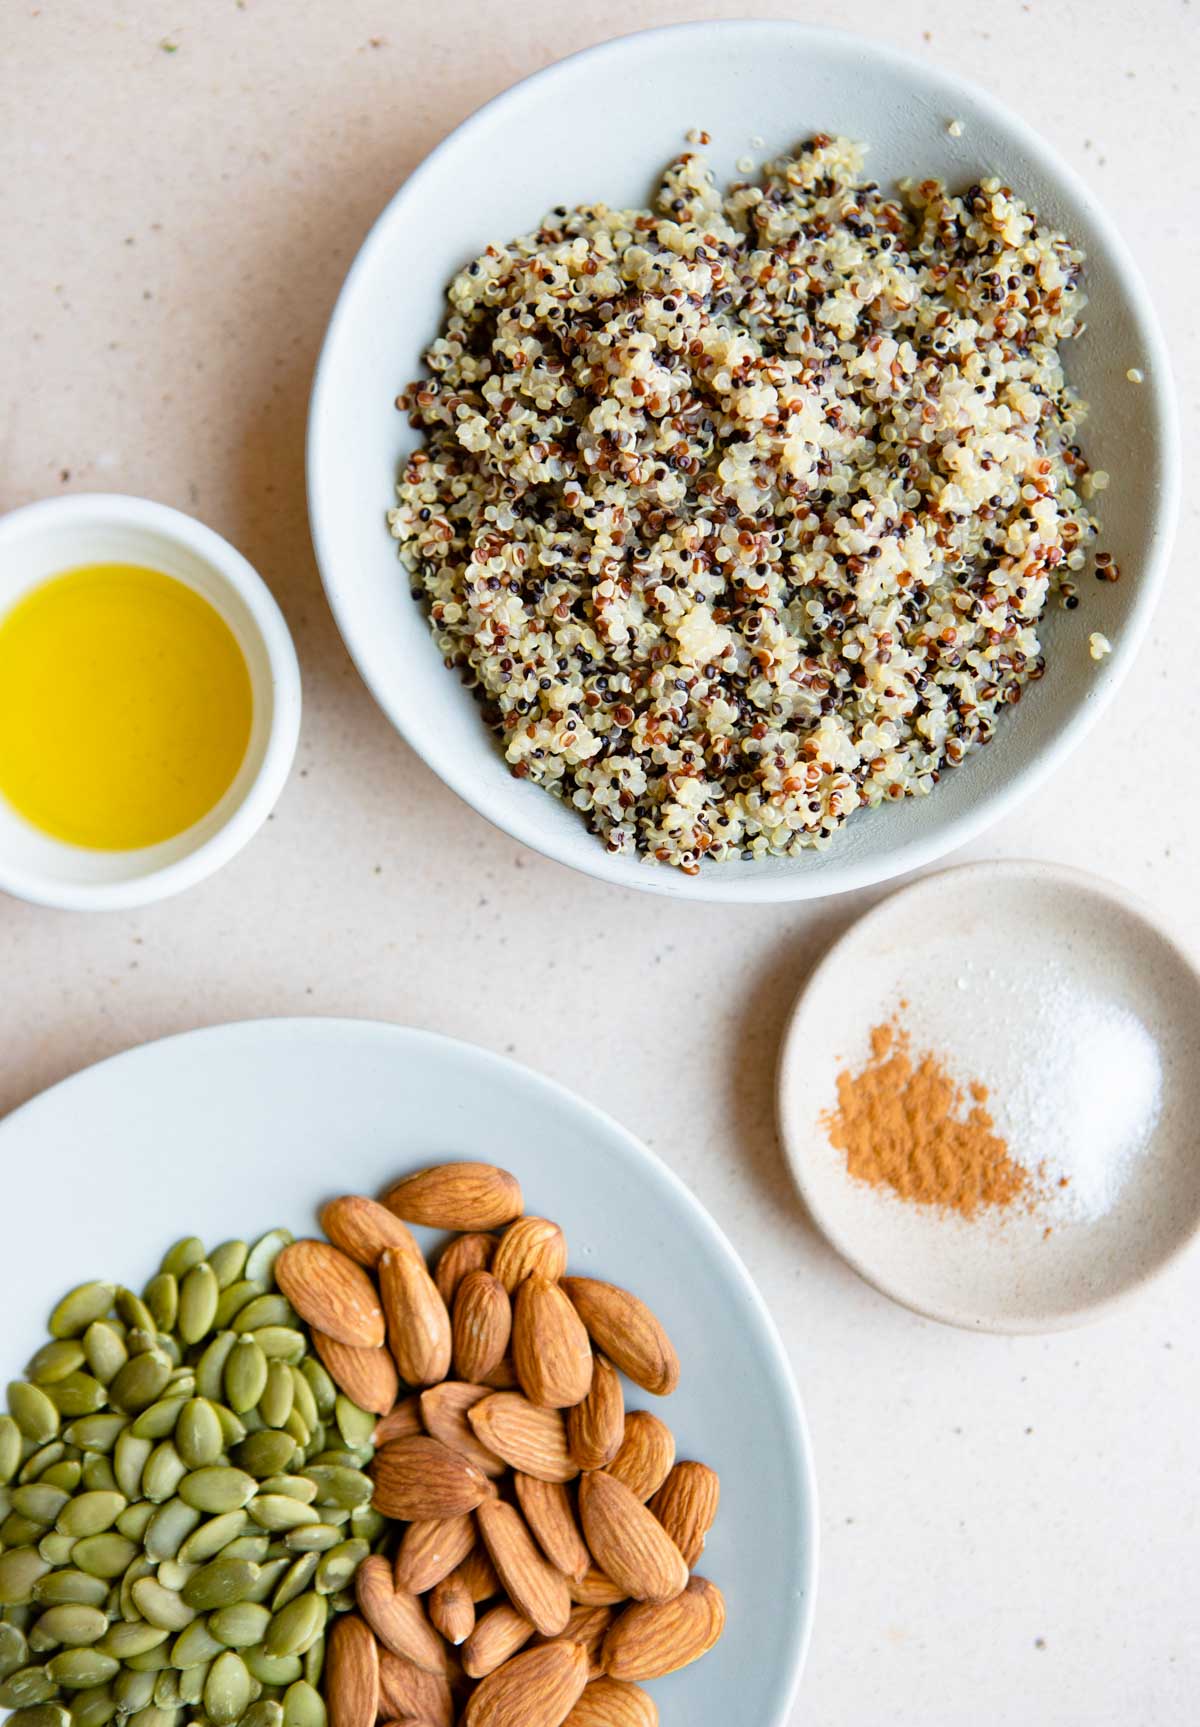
552, 1352
596, 1427
646, 1455
627, 1332
614, 1703
420, 1478
418, 1325
628, 1542
528, 1245
504, 1378
536, 1589
686, 1506
397, 1618
444, 1412
530, 1439
538, 1688
548, 1509
452, 1609
351, 1676
466, 1196
363, 1228
367, 1376
651, 1639
482, 1325
408, 1692
400, 1422
429, 1550
589, 1627
497, 1636
473, 1252
595, 1589
478, 1575
332, 1292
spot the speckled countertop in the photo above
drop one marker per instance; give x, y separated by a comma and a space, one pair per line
1011, 1528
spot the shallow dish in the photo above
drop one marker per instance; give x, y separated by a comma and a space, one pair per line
234, 1129
987, 957
777, 82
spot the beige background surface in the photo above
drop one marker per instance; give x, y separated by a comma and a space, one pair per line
1011, 1526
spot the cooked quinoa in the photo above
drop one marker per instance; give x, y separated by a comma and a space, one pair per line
740, 514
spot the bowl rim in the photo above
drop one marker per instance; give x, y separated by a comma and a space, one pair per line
247, 816
1041, 870
723, 883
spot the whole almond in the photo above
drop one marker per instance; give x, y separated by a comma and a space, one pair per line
503, 1377
651, 1639
613, 1703
536, 1589
528, 1245
444, 1411
469, 1196
530, 1439
550, 1514
418, 1326
686, 1506
628, 1542
589, 1626
465, 1253
596, 1427
535, 1689
397, 1618
646, 1455
478, 1574
407, 1691
452, 1609
552, 1352
498, 1634
482, 1325
595, 1589
420, 1478
363, 1228
628, 1333
329, 1290
401, 1422
429, 1550
351, 1676
367, 1376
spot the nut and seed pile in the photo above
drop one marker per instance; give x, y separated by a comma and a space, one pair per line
741, 513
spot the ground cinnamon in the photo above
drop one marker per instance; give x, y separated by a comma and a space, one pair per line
907, 1125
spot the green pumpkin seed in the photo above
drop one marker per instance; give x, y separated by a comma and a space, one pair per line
166, 1690
73, 1623
295, 1580
279, 1394
136, 1315
277, 1512
220, 1488
76, 1669
180, 1258
97, 1474
304, 1399
90, 1513
171, 1526
55, 1361
227, 1690
44, 1715
213, 1538
354, 1424
153, 1716
228, 1262
20, 1569
173, 1574
266, 1713
130, 1456
260, 1261
313, 1538
273, 1669
233, 1428
140, 1567
28, 1685
134, 1690
241, 1625
198, 1297
104, 1349
160, 1606
314, 1661
159, 1419
245, 1376
96, 1432
294, 1486
33, 1412
141, 1381
132, 1637
191, 1683
303, 1706
107, 1555
77, 1394
164, 1472
68, 1586
296, 1627
266, 1454
93, 1707
55, 1549
281, 1343
10, 1449
67, 1475
153, 1661
76, 1311
161, 1296
37, 1463
41, 1504
221, 1583
337, 1567
233, 1298
182, 1382
198, 1437
266, 1310
347, 1488
210, 1369
138, 1339
270, 1575
21, 1617
196, 1646
299, 1429
256, 1548
12, 1649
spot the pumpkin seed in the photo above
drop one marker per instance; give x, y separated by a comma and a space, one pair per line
279, 1394
182, 1255
158, 1421
79, 1307
281, 1343
54, 1548
256, 1548
198, 1438
90, 1513
173, 1573
73, 1623
60, 1588
141, 1381
191, 1683
314, 1661
94, 1707
233, 1428
137, 1316
270, 1575
45, 1715
76, 1669
104, 1349
241, 1625
295, 1580
96, 1432
304, 1399
126, 1605
134, 1690
12, 1649
153, 1716
227, 1690
273, 1669
169, 1528
296, 1627
10, 1449
33, 1412
245, 1376
166, 1690
196, 1646
106, 1555
26, 1686
198, 1297
228, 1261
20, 1569
96, 1475
133, 1637
164, 1472
354, 1424
41, 1504
265, 1454
299, 1429
265, 1310
338, 1566
347, 1488
130, 1456
294, 1486
233, 1298
313, 1538
303, 1706
67, 1474
77, 1394
266, 1713
260, 1261
160, 1606
210, 1369
21, 1617
161, 1296
55, 1360
213, 1538
153, 1661
277, 1512
220, 1488
221, 1583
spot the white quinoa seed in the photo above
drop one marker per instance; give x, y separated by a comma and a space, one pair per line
954, 128
1099, 645
1136, 375
740, 514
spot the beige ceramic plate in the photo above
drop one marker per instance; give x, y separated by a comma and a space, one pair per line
1081, 1014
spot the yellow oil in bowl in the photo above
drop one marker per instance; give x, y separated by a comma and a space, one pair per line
125, 707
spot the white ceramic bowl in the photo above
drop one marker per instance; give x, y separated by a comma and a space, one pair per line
599, 126
43, 539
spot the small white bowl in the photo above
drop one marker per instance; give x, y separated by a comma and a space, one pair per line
599, 126
43, 539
